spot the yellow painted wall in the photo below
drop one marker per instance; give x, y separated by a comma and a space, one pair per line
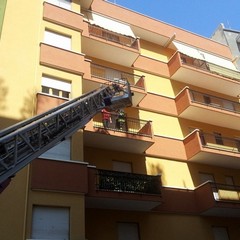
19, 58
173, 173
155, 51
162, 124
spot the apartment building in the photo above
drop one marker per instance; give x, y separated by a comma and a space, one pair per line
171, 172
231, 38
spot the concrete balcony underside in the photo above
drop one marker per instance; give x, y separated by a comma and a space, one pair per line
200, 77
218, 112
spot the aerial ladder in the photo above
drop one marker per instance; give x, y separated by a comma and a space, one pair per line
27, 140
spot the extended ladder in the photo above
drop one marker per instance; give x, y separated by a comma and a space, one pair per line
25, 141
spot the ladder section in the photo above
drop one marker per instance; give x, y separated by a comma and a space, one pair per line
27, 140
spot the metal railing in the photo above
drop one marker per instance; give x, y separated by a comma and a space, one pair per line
129, 125
210, 67
128, 182
215, 102
221, 143
112, 36
114, 75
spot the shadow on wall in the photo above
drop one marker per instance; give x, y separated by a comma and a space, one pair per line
29, 106
3, 94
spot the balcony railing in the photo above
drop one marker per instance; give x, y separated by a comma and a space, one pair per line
129, 125
224, 192
215, 102
216, 141
114, 75
112, 37
128, 182
210, 67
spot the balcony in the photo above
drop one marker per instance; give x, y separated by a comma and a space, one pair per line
214, 199
121, 190
212, 149
204, 74
134, 136
101, 74
110, 46
209, 109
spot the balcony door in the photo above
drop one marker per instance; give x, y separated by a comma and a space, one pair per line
220, 233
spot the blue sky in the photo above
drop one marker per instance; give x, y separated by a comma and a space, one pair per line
200, 17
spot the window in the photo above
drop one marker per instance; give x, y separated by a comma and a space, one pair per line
128, 231
218, 138
56, 87
57, 40
50, 223
220, 233
204, 177
61, 151
61, 3
122, 166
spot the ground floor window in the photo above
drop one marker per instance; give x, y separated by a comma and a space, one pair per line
50, 223
128, 231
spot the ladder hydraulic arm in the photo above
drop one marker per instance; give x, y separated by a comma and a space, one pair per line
27, 140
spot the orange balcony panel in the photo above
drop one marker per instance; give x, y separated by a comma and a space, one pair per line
47, 102
177, 200
219, 112
168, 148
63, 17
202, 148
62, 59
210, 202
121, 200
151, 65
201, 77
52, 175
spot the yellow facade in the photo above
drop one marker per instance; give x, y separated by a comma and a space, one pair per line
182, 128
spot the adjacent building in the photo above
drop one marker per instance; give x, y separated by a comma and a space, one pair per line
231, 38
171, 172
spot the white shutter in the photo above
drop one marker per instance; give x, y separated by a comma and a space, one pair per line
50, 223
55, 83
57, 40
